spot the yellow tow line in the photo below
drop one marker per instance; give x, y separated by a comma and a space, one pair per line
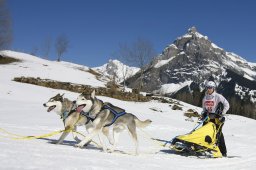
20, 137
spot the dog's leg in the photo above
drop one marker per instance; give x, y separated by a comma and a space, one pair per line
132, 130
75, 136
88, 138
116, 133
69, 124
62, 137
105, 132
97, 127
89, 127
102, 142
110, 138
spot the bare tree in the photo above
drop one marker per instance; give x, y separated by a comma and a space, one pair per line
5, 26
124, 74
61, 45
34, 51
120, 55
138, 53
46, 47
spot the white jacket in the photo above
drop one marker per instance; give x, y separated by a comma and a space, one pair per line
210, 102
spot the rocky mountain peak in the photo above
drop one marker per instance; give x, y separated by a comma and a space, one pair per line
192, 30
192, 58
117, 70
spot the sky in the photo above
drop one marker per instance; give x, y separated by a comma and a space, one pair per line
95, 28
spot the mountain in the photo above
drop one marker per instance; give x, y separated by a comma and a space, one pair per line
116, 69
185, 65
22, 114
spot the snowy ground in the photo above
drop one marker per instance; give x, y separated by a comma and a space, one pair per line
22, 113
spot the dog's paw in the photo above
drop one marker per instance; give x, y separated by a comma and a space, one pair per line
79, 145
111, 150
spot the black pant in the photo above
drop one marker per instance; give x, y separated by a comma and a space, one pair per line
222, 144
221, 141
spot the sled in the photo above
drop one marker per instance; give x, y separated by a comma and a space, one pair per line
202, 141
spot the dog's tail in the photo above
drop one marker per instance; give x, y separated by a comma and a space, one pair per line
142, 124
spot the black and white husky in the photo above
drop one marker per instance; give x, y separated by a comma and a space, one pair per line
105, 117
71, 118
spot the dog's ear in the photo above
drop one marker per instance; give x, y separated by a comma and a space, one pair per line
57, 96
60, 97
93, 94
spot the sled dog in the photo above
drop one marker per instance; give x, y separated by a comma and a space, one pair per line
105, 118
71, 119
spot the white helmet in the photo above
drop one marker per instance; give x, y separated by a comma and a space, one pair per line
210, 84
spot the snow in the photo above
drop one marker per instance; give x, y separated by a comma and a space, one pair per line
246, 68
242, 91
160, 63
249, 71
22, 113
252, 94
200, 35
173, 45
189, 35
248, 77
118, 69
232, 64
172, 87
235, 57
215, 46
32, 66
185, 36
252, 64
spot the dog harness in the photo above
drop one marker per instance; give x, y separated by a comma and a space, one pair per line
109, 107
64, 115
115, 113
86, 114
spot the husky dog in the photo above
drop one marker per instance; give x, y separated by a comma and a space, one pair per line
103, 118
71, 118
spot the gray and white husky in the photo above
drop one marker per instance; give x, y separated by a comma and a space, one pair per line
71, 118
104, 117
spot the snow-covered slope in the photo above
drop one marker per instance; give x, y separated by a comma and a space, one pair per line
22, 113
116, 69
32, 66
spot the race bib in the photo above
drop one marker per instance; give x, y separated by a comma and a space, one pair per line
209, 105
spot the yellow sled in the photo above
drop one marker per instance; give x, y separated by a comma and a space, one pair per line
201, 141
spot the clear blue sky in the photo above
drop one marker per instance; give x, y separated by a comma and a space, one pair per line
96, 27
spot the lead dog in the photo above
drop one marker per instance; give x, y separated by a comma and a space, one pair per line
104, 117
71, 118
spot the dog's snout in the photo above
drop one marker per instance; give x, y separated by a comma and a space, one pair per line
44, 105
74, 102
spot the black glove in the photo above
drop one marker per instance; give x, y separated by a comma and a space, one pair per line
203, 115
222, 119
